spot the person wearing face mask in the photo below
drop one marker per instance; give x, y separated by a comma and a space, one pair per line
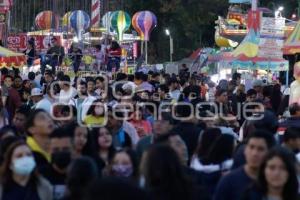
19, 178
61, 150
124, 165
95, 114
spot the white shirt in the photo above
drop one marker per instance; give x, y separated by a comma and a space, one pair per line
66, 96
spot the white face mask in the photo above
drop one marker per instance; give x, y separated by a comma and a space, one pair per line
24, 165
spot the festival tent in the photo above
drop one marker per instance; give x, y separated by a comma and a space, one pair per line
246, 55
9, 58
292, 44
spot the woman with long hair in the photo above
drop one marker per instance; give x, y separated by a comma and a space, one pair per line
19, 178
124, 164
163, 176
103, 146
277, 178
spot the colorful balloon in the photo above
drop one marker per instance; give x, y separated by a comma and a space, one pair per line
120, 22
47, 20
66, 19
106, 20
80, 21
144, 22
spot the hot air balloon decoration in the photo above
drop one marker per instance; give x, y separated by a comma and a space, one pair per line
47, 20
144, 22
106, 21
66, 19
80, 22
120, 22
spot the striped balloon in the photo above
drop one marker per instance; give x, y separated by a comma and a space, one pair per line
144, 22
66, 19
106, 21
47, 20
80, 21
120, 22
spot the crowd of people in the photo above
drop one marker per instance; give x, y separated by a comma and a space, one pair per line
146, 136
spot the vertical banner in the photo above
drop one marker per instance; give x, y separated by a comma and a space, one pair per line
95, 15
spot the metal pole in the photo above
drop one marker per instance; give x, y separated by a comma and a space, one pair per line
146, 46
171, 49
254, 5
298, 9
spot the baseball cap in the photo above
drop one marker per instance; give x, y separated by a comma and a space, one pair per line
36, 92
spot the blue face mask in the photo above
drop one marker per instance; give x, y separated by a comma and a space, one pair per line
122, 170
24, 165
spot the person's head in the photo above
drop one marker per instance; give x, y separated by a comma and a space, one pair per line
26, 84
124, 164
100, 82
155, 77
98, 47
162, 169
121, 77
163, 124
115, 45
294, 110
112, 122
97, 108
18, 161
251, 95
278, 172
79, 135
206, 140
39, 123
104, 139
257, 147
236, 77
82, 88
18, 82
54, 41
8, 81
90, 85
20, 117
291, 139
163, 90
221, 96
221, 150
61, 148
81, 174
174, 84
64, 82
48, 76
36, 95
174, 140
31, 76
258, 85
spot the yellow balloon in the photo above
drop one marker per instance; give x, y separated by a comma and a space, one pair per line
66, 19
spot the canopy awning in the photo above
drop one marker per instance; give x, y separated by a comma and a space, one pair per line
10, 58
292, 44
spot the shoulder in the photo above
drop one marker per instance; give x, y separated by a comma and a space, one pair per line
44, 189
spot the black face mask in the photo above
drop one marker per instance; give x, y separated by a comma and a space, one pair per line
61, 159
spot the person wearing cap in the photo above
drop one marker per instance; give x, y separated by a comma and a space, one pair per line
36, 96
258, 87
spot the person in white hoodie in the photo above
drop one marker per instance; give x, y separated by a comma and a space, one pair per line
217, 162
